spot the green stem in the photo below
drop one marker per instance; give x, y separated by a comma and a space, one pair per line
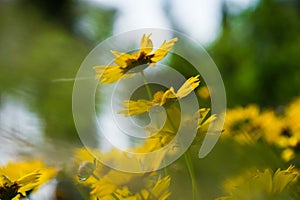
147, 86
191, 170
95, 176
189, 164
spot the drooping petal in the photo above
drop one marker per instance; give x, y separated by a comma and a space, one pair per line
108, 74
146, 44
162, 51
188, 86
135, 107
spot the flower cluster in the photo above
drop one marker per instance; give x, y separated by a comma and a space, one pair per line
280, 128
107, 183
129, 65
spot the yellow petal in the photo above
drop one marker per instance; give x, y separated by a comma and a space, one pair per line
169, 94
111, 74
162, 51
188, 86
135, 107
99, 70
146, 45
161, 188
282, 178
123, 59
103, 188
29, 178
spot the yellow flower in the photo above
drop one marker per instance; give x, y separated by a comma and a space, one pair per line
110, 184
17, 180
160, 98
203, 92
239, 124
261, 185
133, 63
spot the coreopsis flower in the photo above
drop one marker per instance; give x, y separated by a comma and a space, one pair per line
261, 185
127, 65
160, 98
18, 180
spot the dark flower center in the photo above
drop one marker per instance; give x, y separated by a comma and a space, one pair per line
9, 191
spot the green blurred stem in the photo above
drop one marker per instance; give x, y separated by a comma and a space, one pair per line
188, 160
95, 176
189, 164
150, 98
147, 86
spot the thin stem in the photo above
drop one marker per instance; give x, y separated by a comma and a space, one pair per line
147, 86
95, 176
189, 164
191, 170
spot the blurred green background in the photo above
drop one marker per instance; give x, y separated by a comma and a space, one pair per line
44, 42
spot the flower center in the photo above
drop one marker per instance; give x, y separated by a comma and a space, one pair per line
8, 191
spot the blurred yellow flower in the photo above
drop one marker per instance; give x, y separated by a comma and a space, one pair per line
17, 180
160, 98
203, 92
127, 65
107, 183
260, 185
238, 124
247, 125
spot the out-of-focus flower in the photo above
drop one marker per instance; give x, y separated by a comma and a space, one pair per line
203, 92
160, 98
18, 180
107, 183
127, 65
238, 124
247, 125
261, 185
290, 135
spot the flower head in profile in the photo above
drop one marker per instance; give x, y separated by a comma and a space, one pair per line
127, 65
261, 185
160, 98
17, 180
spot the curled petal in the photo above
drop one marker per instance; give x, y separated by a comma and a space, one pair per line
188, 86
146, 45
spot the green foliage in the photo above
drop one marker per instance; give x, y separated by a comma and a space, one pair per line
41, 58
257, 54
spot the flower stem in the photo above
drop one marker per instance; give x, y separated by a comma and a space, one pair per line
191, 170
189, 164
147, 86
